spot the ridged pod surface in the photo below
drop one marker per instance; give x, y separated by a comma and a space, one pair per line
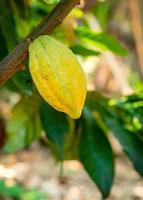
57, 75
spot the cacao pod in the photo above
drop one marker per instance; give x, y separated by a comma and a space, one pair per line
57, 75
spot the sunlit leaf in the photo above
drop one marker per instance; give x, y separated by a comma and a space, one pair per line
24, 125
101, 41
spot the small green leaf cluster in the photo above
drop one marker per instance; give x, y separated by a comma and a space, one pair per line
16, 191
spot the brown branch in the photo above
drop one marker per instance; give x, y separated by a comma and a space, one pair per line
14, 61
137, 30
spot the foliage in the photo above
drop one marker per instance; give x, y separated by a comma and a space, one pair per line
95, 153
16, 191
100, 40
86, 139
24, 124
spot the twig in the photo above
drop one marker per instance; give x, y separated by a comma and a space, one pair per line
118, 73
137, 30
111, 60
14, 61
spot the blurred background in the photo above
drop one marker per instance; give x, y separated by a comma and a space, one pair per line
107, 38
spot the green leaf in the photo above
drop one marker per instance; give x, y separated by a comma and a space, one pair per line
20, 7
21, 82
94, 98
83, 51
96, 154
7, 26
33, 194
130, 111
71, 141
3, 47
131, 144
22, 17
56, 126
51, 1
14, 191
102, 12
24, 125
101, 41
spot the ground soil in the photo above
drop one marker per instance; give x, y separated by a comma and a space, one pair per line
36, 168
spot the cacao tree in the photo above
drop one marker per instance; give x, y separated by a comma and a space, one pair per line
86, 138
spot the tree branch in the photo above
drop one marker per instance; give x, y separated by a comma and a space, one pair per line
14, 61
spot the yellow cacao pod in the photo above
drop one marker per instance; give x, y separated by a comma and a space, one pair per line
58, 75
